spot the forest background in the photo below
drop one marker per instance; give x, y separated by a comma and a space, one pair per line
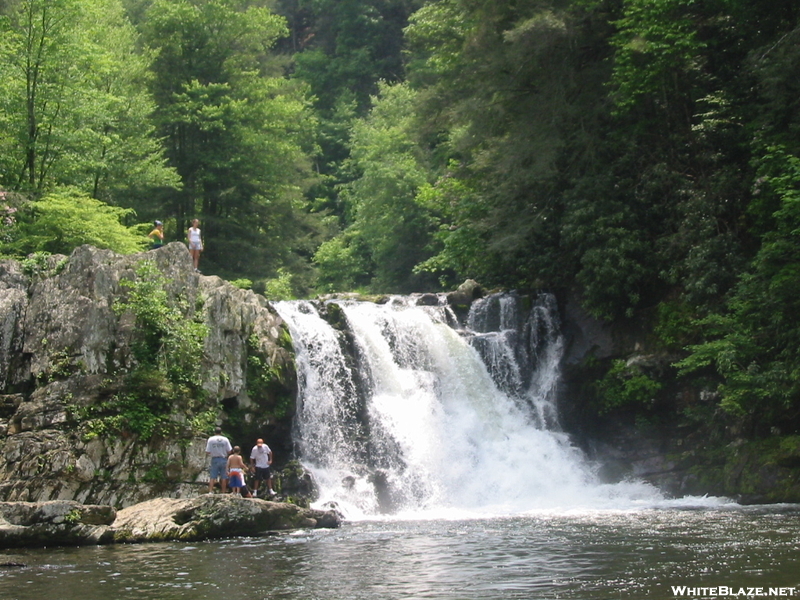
642, 155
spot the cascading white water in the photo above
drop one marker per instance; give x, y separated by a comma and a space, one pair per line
405, 414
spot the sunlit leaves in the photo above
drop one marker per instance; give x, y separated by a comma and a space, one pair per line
61, 221
658, 51
75, 108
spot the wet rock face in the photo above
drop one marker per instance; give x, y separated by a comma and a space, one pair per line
65, 352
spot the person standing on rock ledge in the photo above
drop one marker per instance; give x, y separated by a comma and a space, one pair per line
236, 469
260, 461
218, 447
194, 239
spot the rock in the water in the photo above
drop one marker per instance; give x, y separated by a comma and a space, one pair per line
213, 516
55, 523
210, 516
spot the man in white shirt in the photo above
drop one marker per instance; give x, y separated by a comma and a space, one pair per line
218, 447
260, 461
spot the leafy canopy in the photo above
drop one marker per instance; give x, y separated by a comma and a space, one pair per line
65, 219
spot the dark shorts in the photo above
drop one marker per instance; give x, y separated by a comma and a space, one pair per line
263, 473
235, 480
219, 467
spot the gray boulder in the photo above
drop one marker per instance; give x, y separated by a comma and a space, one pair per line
212, 516
465, 293
56, 523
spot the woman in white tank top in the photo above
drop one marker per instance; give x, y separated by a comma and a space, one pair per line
195, 240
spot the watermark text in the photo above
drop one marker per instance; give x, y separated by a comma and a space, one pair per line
724, 591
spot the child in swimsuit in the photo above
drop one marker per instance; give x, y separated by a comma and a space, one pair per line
236, 468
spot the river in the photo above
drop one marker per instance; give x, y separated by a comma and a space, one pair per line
589, 555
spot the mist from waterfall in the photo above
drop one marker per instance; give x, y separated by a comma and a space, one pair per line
409, 412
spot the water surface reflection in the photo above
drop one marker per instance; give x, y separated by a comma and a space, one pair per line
596, 555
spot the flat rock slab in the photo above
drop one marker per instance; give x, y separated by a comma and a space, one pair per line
213, 516
69, 523
54, 523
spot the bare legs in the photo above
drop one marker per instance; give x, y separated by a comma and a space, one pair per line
195, 257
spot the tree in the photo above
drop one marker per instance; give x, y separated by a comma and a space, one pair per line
63, 220
755, 344
499, 98
239, 134
350, 46
342, 49
75, 108
388, 225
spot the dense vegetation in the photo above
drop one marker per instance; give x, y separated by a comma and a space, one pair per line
644, 156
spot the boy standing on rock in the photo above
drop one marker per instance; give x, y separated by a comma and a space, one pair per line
260, 461
218, 447
236, 468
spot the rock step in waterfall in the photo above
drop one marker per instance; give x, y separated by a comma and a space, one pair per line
404, 409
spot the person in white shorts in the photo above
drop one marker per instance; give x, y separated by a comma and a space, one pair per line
195, 240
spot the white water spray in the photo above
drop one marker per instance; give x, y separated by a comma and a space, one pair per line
405, 414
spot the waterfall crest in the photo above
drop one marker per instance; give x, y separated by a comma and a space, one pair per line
405, 410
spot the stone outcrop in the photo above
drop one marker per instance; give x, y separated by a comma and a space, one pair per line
213, 516
65, 351
55, 523
209, 516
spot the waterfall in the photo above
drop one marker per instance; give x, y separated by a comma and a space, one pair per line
404, 410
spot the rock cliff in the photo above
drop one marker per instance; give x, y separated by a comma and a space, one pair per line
678, 438
72, 425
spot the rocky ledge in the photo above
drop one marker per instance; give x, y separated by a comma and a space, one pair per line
210, 516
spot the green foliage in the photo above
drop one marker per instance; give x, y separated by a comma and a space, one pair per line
166, 340
35, 264
658, 50
279, 288
626, 386
351, 46
496, 106
391, 227
675, 327
265, 382
242, 284
157, 472
63, 220
73, 517
755, 345
461, 236
74, 103
204, 421
340, 265
239, 133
